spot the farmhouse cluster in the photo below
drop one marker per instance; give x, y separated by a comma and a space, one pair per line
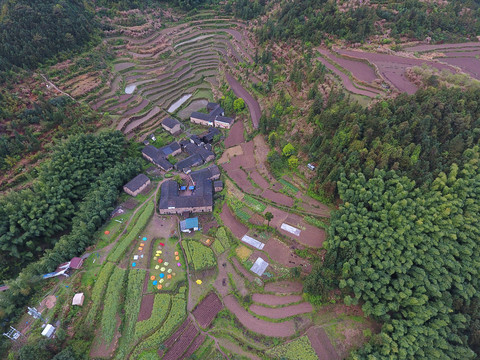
216, 117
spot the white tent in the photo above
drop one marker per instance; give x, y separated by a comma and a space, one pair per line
48, 331
78, 299
259, 266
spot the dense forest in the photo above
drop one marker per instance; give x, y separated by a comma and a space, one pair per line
32, 220
418, 135
409, 256
412, 18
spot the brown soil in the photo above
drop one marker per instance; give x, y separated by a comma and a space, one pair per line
284, 287
274, 300
207, 310
278, 198
321, 344
235, 137
50, 301
282, 329
283, 312
129, 204
237, 228
282, 254
146, 307
257, 219
259, 179
230, 153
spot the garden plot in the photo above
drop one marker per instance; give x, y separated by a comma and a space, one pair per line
281, 312
274, 300
282, 254
235, 136
207, 310
284, 287
167, 267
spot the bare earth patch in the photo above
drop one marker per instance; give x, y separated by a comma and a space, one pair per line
321, 344
283, 312
230, 153
146, 307
274, 300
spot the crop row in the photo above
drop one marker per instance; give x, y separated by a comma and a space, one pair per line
161, 305
175, 317
131, 308
112, 304
242, 215
199, 255
133, 234
218, 247
97, 293
255, 204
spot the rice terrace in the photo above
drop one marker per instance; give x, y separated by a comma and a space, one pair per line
215, 248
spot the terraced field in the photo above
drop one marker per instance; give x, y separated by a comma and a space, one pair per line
155, 68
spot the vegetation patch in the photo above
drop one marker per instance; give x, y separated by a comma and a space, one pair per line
112, 304
199, 255
298, 349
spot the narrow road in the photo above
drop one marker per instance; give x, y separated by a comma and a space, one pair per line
253, 105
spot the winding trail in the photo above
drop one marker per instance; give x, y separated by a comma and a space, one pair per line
56, 88
253, 105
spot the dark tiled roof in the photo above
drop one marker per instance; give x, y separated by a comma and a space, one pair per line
150, 151
211, 106
204, 153
170, 123
196, 139
204, 174
184, 142
212, 132
137, 182
157, 156
163, 163
170, 148
193, 160
201, 116
191, 149
217, 184
201, 196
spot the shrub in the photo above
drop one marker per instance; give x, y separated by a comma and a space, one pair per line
112, 302
218, 247
199, 255
161, 305
223, 237
133, 234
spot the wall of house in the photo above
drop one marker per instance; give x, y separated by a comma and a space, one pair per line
222, 125
200, 121
187, 209
138, 191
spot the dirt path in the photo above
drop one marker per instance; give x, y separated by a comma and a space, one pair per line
322, 344
253, 105
283, 312
56, 88
282, 329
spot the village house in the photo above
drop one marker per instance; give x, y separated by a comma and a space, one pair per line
218, 185
201, 198
172, 126
216, 117
136, 185
189, 225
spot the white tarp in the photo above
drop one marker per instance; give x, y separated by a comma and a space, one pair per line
48, 331
253, 242
259, 266
78, 299
290, 229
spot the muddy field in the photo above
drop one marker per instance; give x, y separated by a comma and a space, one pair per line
231, 222
274, 300
284, 287
146, 307
235, 136
283, 312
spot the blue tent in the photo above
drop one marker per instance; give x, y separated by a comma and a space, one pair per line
191, 187
183, 188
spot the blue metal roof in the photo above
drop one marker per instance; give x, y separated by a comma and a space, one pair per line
191, 223
183, 188
191, 187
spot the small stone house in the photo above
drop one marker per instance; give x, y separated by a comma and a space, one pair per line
172, 126
136, 185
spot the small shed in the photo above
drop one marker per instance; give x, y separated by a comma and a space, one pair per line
311, 166
136, 185
78, 299
48, 331
218, 185
189, 225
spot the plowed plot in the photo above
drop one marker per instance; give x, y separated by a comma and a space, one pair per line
283, 312
239, 177
248, 155
470, 65
284, 287
282, 254
274, 300
442, 47
358, 69
194, 346
146, 307
392, 67
282, 329
252, 104
175, 352
242, 270
278, 198
279, 216
259, 179
309, 235
235, 137
322, 345
237, 228
206, 311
